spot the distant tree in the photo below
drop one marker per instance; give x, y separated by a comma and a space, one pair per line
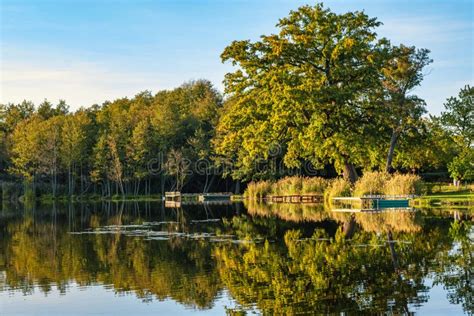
140, 152
401, 73
459, 116
462, 166
48, 152
100, 167
35, 149
74, 144
12, 114
116, 165
25, 148
177, 165
459, 121
430, 147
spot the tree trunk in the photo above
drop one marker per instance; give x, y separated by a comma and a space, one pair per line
53, 184
73, 180
137, 190
393, 143
210, 183
82, 180
121, 188
237, 187
350, 172
162, 183
204, 190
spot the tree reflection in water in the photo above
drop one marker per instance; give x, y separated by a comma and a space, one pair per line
282, 259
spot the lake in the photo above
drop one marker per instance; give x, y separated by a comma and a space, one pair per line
127, 258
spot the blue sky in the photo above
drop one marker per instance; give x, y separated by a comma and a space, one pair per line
89, 51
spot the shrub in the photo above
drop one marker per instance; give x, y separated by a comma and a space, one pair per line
403, 184
371, 183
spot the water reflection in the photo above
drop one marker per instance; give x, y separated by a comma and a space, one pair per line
272, 258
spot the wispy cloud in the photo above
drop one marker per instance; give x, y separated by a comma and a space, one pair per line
82, 83
429, 29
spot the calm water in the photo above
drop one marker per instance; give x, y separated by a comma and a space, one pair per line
141, 258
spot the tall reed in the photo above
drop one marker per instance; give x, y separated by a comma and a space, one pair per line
371, 183
403, 184
337, 187
258, 190
286, 186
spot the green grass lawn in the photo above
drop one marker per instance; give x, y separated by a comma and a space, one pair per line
461, 199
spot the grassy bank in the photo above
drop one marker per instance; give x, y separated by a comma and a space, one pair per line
369, 184
453, 200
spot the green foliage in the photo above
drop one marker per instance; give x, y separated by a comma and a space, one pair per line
459, 121
432, 148
324, 90
296, 88
462, 166
459, 116
110, 147
401, 73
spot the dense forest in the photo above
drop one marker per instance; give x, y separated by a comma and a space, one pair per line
324, 95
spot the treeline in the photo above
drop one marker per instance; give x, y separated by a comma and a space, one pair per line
323, 93
121, 147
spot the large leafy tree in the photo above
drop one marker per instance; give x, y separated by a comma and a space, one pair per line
306, 89
25, 148
402, 72
11, 115
35, 149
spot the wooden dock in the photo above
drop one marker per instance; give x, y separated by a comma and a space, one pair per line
300, 198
